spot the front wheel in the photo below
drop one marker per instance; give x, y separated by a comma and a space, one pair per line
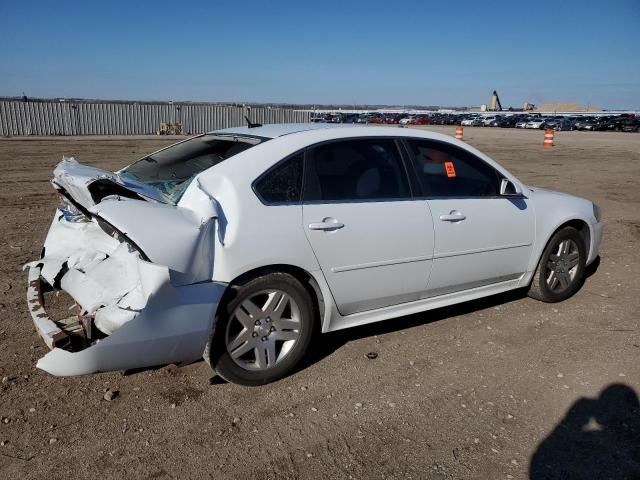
263, 331
560, 272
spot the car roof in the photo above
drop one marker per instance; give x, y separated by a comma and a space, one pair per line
287, 139
277, 129
303, 134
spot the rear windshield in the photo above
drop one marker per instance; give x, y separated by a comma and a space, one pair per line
172, 169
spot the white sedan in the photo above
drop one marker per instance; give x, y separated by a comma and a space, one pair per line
242, 244
536, 123
472, 122
486, 121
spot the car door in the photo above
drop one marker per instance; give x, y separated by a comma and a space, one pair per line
373, 242
481, 237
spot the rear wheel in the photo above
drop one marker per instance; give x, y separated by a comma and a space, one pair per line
560, 272
263, 331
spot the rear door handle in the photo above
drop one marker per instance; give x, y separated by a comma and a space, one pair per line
327, 224
453, 216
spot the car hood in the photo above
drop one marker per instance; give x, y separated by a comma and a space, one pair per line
538, 192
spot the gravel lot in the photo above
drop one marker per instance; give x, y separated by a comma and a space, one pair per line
506, 387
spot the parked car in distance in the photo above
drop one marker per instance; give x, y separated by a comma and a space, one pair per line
364, 118
563, 124
445, 119
535, 123
421, 120
613, 123
241, 244
509, 121
585, 123
486, 121
630, 125
472, 122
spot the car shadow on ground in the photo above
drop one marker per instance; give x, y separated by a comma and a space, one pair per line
330, 342
599, 438
326, 344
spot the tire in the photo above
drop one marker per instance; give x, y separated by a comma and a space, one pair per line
257, 343
568, 268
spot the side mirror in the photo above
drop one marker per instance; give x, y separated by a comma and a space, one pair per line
509, 189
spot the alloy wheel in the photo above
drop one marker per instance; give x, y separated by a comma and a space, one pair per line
263, 329
562, 266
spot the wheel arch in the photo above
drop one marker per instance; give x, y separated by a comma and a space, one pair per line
583, 228
306, 279
581, 225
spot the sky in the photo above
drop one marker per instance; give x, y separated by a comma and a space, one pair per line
391, 52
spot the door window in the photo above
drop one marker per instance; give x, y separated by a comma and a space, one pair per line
356, 170
448, 171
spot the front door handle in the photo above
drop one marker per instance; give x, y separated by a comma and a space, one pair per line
453, 216
327, 224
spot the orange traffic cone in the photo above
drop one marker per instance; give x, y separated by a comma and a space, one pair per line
459, 131
548, 138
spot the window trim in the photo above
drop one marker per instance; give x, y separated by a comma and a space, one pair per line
251, 138
423, 196
406, 156
401, 156
273, 167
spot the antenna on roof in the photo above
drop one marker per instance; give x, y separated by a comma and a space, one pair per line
251, 125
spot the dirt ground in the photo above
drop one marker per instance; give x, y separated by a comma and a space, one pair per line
506, 387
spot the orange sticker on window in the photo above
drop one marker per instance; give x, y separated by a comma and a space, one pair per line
449, 168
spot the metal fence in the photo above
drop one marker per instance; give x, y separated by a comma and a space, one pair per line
48, 118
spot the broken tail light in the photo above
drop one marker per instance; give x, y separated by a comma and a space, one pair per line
121, 237
70, 212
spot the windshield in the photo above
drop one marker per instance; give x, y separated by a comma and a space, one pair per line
172, 169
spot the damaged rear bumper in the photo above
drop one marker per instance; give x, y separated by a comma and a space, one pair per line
129, 313
173, 331
52, 335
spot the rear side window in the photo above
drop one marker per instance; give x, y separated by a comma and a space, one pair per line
282, 184
448, 171
353, 170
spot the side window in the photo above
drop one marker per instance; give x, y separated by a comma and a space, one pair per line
448, 171
283, 184
363, 169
